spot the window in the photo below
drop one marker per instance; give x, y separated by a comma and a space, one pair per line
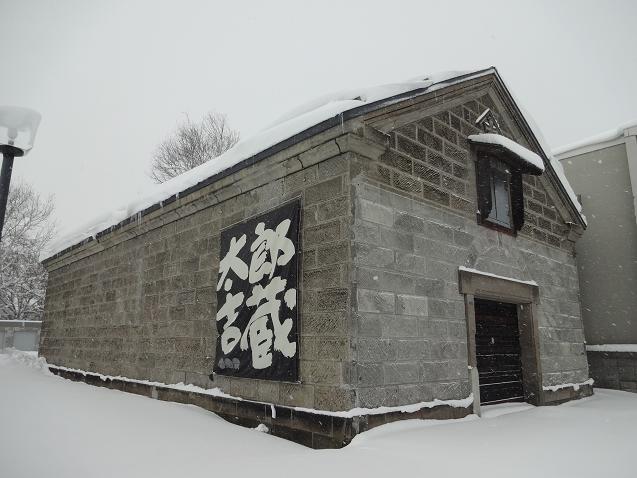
500, 163
500, 201
500, 178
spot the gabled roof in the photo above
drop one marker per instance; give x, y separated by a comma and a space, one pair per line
299, 124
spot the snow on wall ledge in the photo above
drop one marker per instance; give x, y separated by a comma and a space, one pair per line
574, 386
488, 274
612, 348
217, 392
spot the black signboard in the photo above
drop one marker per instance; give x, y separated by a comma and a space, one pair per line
257, 310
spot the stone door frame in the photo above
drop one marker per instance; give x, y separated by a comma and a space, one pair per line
474, 284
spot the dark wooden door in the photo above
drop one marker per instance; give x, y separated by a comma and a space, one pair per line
498, 352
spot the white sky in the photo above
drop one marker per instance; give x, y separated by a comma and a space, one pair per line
112, 79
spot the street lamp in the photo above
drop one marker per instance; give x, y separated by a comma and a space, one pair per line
17, 134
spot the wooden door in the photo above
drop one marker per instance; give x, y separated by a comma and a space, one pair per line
498, 352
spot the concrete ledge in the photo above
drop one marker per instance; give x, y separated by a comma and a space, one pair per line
615, 370
556, 397
313, 430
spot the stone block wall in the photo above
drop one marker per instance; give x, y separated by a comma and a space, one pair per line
616, 370
145, 308
415, 224
386, 222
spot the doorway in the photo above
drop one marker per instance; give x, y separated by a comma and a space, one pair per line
498, 352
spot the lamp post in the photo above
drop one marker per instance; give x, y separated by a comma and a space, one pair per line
17, 134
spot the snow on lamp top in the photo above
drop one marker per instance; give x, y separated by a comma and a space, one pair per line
18, 127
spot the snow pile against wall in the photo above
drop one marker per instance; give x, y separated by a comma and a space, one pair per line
28, 360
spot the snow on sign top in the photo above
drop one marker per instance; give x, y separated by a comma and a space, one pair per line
516, 149
296, 121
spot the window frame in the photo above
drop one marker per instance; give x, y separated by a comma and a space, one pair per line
484, 154
497, 171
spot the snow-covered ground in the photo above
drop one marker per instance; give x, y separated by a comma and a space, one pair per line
57, 428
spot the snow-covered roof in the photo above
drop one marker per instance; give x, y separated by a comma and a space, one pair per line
342, 105
523, 154
604, 137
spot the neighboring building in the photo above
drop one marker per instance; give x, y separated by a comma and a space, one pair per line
603, 171
380, 254
20, 334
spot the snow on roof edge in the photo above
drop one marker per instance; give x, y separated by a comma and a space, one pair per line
279, 132
602, 137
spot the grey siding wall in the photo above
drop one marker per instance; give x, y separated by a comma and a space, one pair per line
415, 224
607, 253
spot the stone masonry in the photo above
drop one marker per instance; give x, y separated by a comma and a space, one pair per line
616, 370
415, 224
388, 215
145, 307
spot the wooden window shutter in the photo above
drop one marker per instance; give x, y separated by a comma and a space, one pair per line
517, 201
483, 177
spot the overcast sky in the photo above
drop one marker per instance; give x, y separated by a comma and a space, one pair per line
112, 79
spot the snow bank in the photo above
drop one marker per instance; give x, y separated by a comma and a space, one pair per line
518, 150
55, 427
612, 348
598, 138
476, 271
290, 124
29, 360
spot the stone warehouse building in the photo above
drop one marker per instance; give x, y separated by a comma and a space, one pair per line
396, 252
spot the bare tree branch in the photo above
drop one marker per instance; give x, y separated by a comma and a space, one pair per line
192, 144
28, 228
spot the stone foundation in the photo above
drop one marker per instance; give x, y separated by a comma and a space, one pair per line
314, 430
616, 370
566, 394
